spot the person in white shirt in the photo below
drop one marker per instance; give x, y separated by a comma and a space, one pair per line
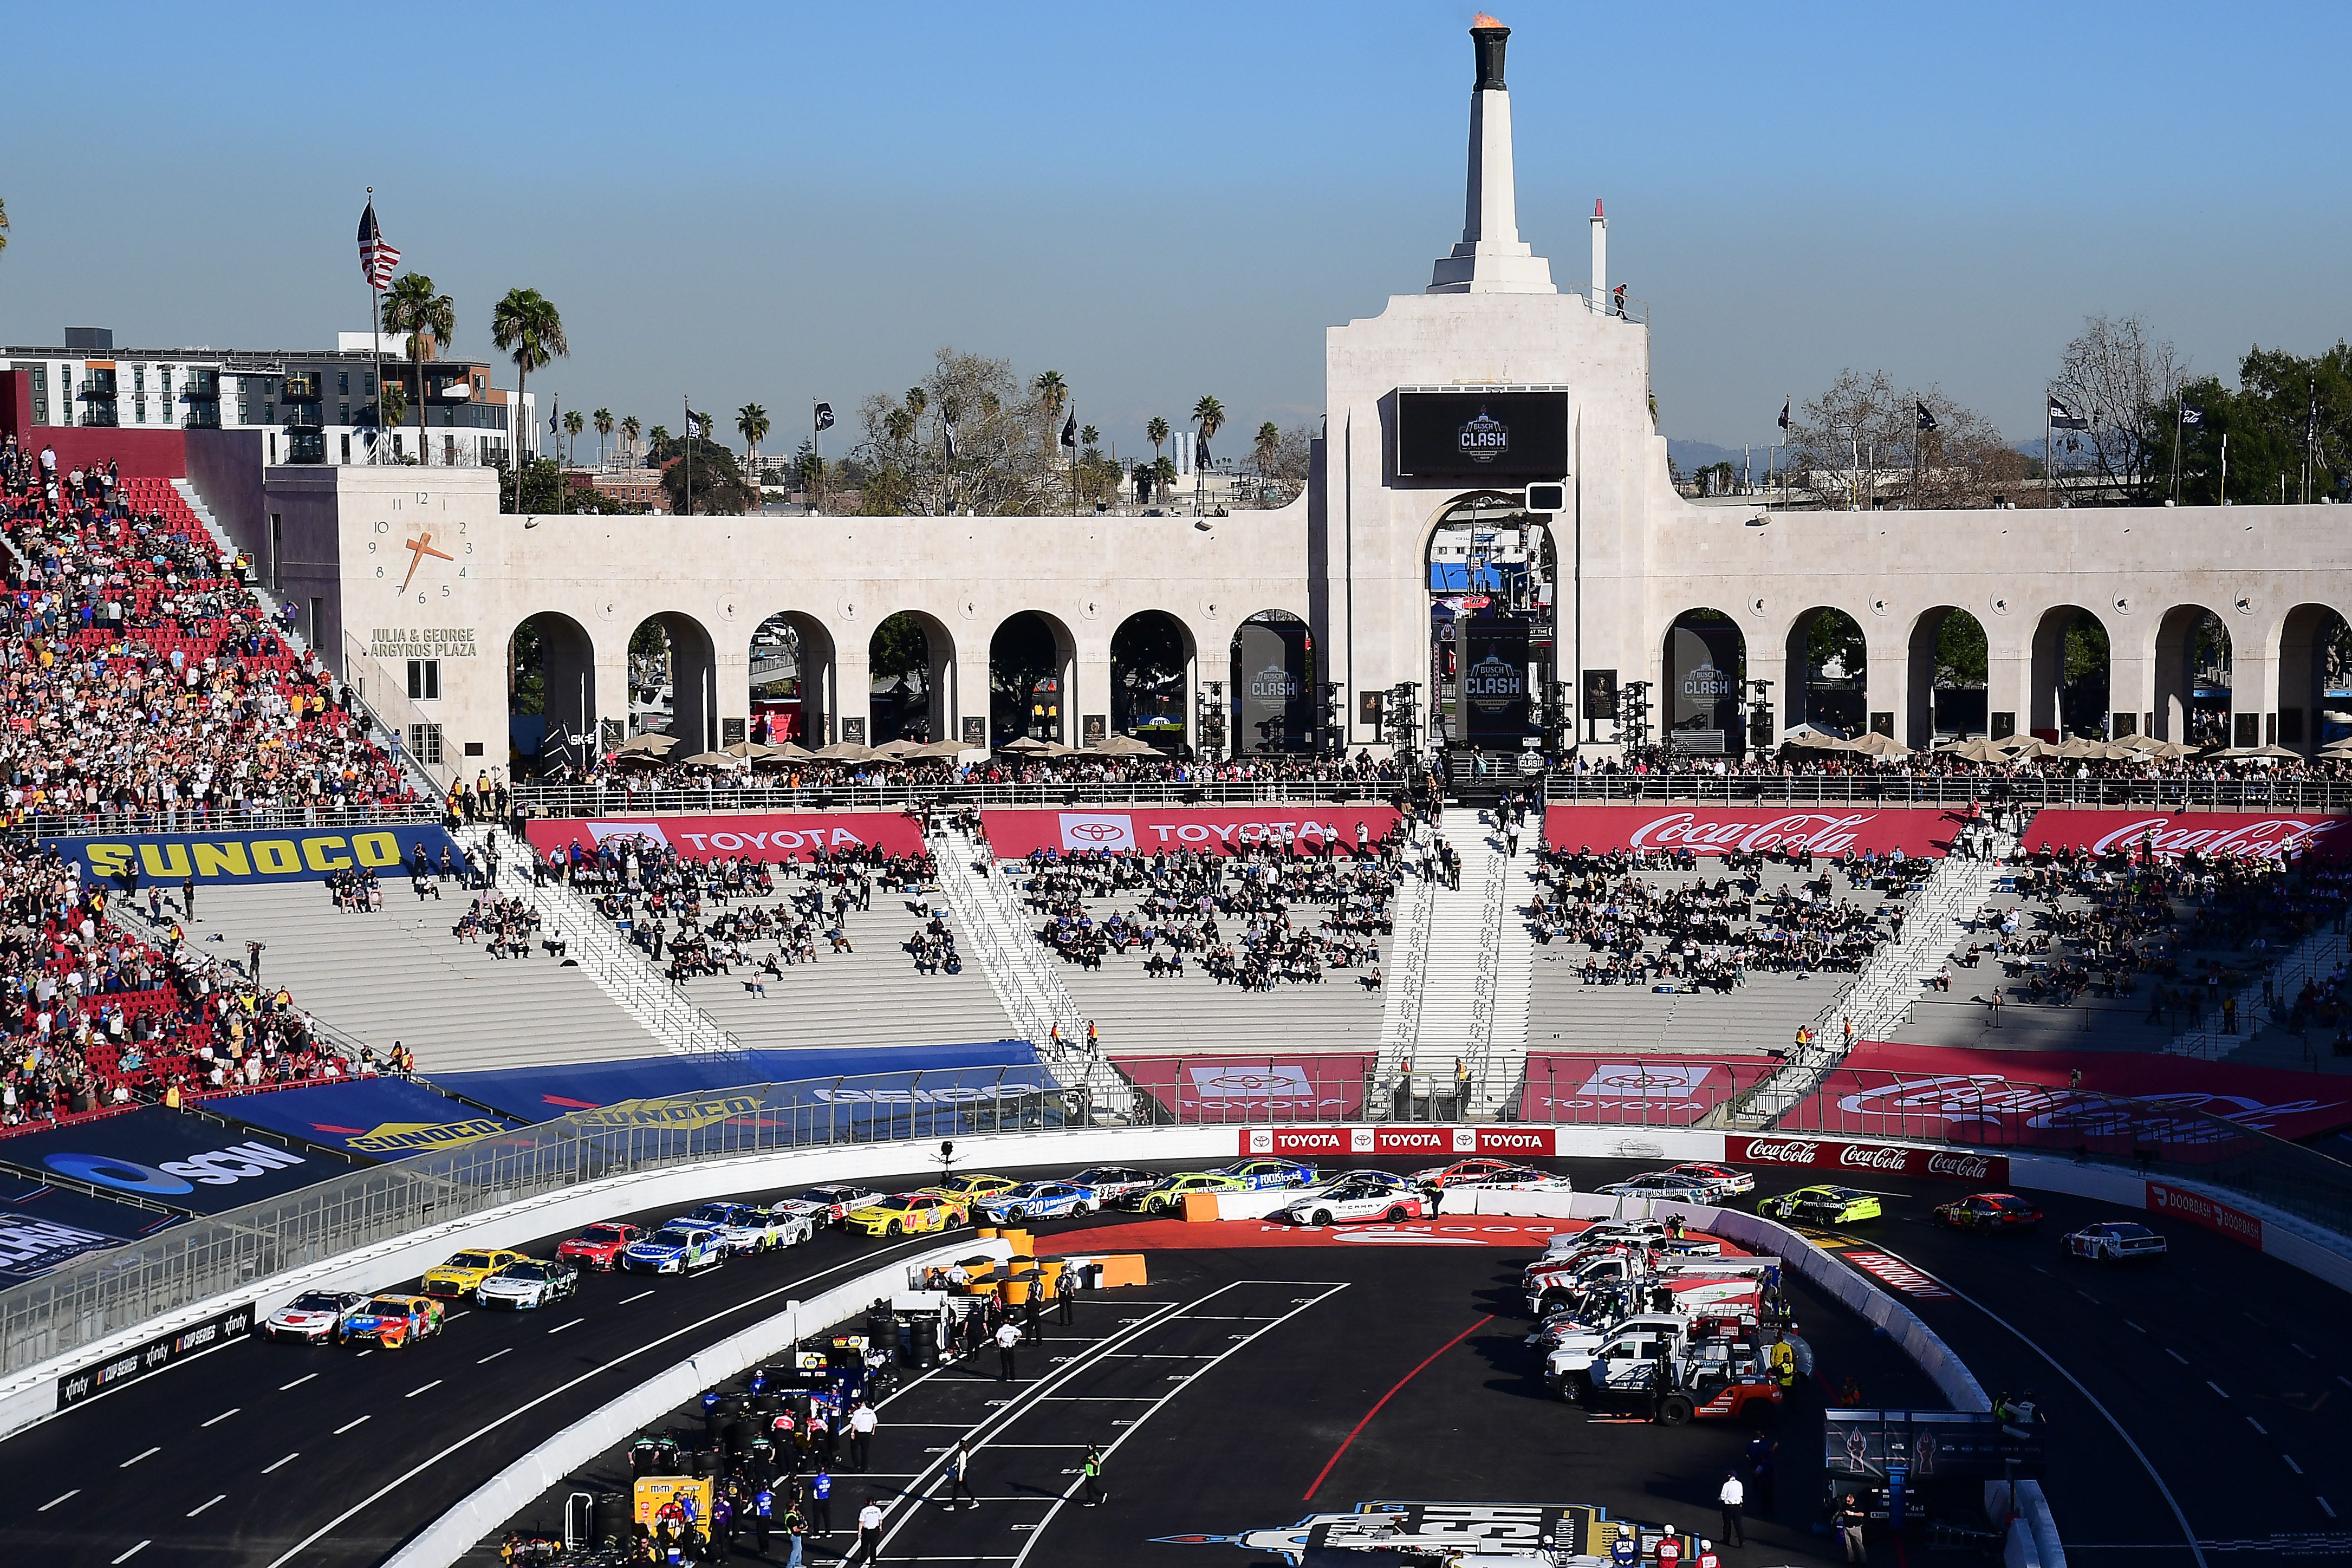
862, 1422
869, 1532
1732, 1498
959, 1475
1007, 1337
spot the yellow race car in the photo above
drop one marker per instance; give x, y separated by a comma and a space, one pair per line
462, 1274
972, 1188
906, 1214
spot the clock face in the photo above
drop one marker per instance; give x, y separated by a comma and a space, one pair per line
421, 563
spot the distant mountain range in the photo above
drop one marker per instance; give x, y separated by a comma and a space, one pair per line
1690, 457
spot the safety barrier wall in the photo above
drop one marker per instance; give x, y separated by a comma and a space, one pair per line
447, 1539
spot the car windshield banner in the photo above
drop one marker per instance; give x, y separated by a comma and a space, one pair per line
380, 1118
1308, 829
43, 1225
305, 854
1632, 1091
1752, 830
2194, 1111
2247, 835
543, 1094
1215, 1089
170, 1159
766, 836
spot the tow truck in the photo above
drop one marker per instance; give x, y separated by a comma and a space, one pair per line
1716, 1367
1551, 1285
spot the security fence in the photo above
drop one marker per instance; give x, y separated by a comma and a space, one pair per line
2295, 793
883, 792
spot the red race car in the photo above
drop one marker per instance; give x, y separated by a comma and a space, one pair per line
1438, 1177
2000, 1211
599, 1246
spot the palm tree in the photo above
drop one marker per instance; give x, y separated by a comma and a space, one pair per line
1158, 431
630, 429
1210, 416
527, 325
655, 436
574, 424
1268, 445
430, 321
604, 429
1053, 393
1088, 435
752, 421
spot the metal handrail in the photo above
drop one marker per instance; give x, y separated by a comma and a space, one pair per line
897, 794
1896, 789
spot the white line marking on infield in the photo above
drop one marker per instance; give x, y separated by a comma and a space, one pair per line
573, 1324
2176, 1355
2258, 1426
134, 1551
640, 1296
2291, 1464
202, 1506
349, 1425
2324, 1507
223, 1415
493, 1356
427, 1388
2217, 1388
136, 1457
296, 1383
287, 1460
57, 1499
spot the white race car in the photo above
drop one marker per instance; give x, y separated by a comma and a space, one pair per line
826, 1205
533, 1282
2118, 1242
1516, 1178
1351, 1197
747, 1227
313, 1316
675, 1250
1722, 1180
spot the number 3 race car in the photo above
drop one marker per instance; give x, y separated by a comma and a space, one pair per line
1821, 1205
2118, 1242
2000, 1211
393, 1320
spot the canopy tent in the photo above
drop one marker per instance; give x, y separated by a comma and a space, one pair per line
1126, 745
1877, 745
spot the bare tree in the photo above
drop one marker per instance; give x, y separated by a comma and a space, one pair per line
1004, 460
1862, 439
2118, 376
1845, 437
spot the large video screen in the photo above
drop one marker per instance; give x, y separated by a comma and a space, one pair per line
1482, 435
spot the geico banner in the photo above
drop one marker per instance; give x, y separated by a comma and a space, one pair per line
1439, 1143
1868, 1159
2251, 835
1227, 829
1752, 830
767, 836
2198, 1210
287, 855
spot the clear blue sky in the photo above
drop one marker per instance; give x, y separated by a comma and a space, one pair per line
771, 203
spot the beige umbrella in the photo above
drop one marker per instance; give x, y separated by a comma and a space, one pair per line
653, 744
1815, 740
2142, 742
1878, 745
753, 749
781, 755
844, 751
2076, 747
710, 759
1028, 747
1976, 749
898, 748
1126, 745
2262, 754
937, 752
2171, 751
2028, 746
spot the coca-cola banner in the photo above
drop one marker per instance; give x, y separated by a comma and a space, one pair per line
767, 836
1215, 1089
2198, 1210
1228, 830
1752, 830
2031, 1099
1869, 1159
1441, 1145
1632, 1091
2171, 834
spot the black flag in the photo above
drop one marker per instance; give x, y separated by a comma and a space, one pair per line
2192, 415
1784, 414
825, 416
1070, 429
2064, 418
949, 425
1926, 416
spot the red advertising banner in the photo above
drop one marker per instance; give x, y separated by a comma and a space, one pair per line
2252, 835
1440, 1144
2029, 1098
1632, 1091
2198, 1210
1226, 828
1752, 830
767, 836
1213, 1089
1868, 1159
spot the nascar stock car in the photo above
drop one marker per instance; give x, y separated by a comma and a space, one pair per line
1354, 1198
1108, 1183
1995, 1211
906, 1214
393, 1320
1723, 1180
462, 1273
1440, 1176
2118, 1242
1516, 1178
675, 1248
968, 1189
1167, 1196
747, 1227
1670, 1185
533, 1282
829, 1204
1038, 1200
313, 1317
1262, 1173
1821, 1205
599, 1246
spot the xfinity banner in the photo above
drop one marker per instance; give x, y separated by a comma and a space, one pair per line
1484, 436
170, 1159
1274, 687
1304, 830
2168, 835
768, 836
285, 855
227, 1328
1752, 830
1494, 701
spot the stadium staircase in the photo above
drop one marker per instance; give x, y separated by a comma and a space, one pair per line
1470, 975
993, 933
1883, 994
2266, 1041
399, 974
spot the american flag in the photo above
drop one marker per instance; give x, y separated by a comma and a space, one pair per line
376, 258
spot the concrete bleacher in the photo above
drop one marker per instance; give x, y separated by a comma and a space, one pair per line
399, 974
1762, 1013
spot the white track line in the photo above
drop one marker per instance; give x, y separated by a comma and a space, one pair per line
202, 1506
223, 1415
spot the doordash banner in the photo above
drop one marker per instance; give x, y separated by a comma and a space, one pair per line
1305, 830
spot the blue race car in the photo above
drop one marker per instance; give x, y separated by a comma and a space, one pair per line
675, 1250
1261, 1173
1039, 1200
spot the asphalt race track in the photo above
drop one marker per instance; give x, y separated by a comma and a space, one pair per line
2217, 1366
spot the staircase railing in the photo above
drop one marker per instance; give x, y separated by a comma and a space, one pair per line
1407, 986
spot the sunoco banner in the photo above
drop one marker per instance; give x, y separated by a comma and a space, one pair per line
285, 855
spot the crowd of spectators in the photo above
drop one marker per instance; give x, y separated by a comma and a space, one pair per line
141, 677
96, 1016
1695, 932
2121, 765
1234, 918
638, 773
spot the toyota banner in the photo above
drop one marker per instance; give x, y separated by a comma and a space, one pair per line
1703, 829
773, 836
1235, 830
1441, 1145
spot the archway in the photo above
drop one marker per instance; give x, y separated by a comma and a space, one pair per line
2193, 677
909, 663
2314, 677
671, 668
2071, 662
1707, 677
1828, 674
1275, 676
1947, 674
792, 668
1031, 664
551, 697
1491, 568
1151, 658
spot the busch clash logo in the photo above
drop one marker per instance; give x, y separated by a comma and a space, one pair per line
1483, 439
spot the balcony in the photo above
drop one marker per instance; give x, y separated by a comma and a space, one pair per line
302, 389
203, 416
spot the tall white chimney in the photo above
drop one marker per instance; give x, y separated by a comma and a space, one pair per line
1491, 258
1599, 259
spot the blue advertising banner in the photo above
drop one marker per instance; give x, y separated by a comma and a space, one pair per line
379, 1118
286, 854
169, 1158
43, 1225
543, 1094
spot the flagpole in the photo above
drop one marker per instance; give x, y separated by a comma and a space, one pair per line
2049, 454
2176, 429
816, 463
689, 401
